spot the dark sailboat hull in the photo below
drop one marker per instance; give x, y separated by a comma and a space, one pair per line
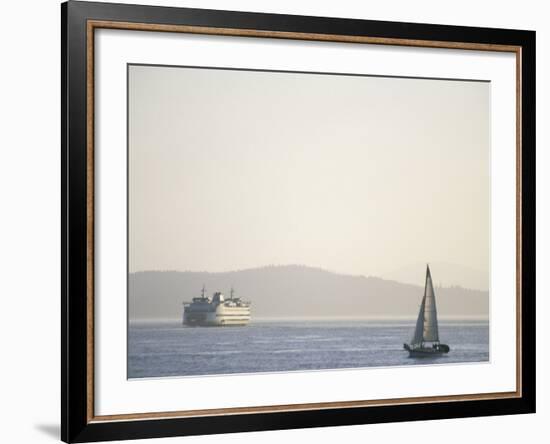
427, 352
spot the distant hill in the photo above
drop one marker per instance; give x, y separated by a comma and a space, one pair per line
296, 291
444, 273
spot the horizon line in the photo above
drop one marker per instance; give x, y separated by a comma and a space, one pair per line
381, 318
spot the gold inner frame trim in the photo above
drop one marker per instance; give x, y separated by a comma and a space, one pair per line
98, 24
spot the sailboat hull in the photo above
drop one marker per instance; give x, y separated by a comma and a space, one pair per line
427, 352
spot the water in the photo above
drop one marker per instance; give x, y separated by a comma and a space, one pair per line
169, 349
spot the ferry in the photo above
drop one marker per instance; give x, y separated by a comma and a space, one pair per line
216, 311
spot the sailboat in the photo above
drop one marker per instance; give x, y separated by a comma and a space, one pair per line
425, 342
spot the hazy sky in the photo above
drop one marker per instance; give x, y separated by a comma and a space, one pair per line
232, 169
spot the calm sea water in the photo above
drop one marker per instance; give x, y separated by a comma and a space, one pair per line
170, 349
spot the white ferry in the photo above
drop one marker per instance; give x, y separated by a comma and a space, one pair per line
216, 311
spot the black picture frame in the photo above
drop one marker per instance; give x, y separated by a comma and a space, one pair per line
77, 425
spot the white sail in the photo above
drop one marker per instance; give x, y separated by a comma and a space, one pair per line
430, 331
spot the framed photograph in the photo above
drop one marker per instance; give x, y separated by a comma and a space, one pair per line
275, 221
